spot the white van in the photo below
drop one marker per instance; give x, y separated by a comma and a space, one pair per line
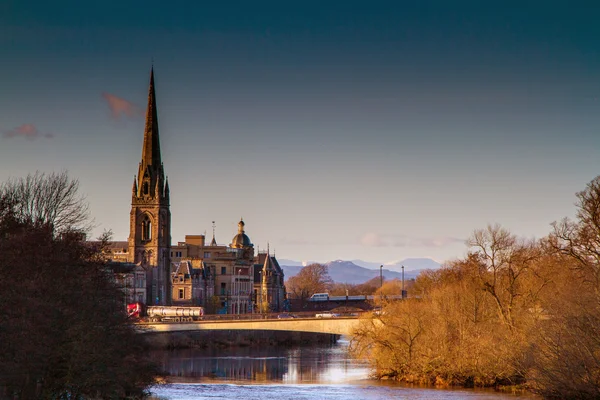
319, 297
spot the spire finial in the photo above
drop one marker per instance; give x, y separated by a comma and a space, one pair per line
214, 241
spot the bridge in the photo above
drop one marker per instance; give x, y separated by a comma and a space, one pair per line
336, 325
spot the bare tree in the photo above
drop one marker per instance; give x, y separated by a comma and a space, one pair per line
313, 278
503, 261
47, 199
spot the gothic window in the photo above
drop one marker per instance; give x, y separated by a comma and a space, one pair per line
146, 228
146, 188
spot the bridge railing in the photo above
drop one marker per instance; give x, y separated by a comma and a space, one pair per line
270, 316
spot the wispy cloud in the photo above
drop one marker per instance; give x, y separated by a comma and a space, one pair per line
302, 242
120, 107
28, 131
372, 239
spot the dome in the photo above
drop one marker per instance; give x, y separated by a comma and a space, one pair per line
241, 240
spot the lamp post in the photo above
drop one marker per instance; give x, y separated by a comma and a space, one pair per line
237, 298
403, 293
260, 308
381, 284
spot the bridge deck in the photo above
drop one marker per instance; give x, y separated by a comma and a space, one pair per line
337, 326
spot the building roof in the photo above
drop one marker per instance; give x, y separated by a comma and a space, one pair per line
182, 267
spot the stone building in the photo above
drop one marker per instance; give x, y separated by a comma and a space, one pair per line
225, 279
236, 272
131, 278
269, 290
191, 283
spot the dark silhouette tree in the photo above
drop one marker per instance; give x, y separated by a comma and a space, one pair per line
63, 330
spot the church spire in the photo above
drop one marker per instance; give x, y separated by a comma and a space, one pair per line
134, 188
151, 148
214, 241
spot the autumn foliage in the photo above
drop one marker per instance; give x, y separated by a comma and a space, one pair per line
512, 312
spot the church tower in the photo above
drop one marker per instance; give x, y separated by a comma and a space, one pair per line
150, 218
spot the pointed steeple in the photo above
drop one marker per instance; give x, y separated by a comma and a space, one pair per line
268, 265
214, 241
134, 190
151, 148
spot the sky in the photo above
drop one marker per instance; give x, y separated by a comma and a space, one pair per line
338, 130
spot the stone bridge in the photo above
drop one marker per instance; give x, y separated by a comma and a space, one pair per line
336, 326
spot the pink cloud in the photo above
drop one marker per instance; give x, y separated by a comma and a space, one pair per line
28, 131
120, 107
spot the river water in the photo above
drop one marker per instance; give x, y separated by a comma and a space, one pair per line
315, 372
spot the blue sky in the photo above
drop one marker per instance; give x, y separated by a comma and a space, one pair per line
372, 130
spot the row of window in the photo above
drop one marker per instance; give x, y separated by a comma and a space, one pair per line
178, 254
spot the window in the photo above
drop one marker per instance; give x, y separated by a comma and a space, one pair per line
177, 254
223, 288
146, 188
181, 294
206, 254
146, 229
223, 270
139, 281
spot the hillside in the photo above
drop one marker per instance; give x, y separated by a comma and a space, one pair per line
349, 272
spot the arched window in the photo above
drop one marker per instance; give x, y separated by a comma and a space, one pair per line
146, 228
145, 188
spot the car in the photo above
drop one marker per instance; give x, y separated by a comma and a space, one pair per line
285, 315
326, 314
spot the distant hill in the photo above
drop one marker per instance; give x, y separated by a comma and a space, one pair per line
290, 263
410, 264
348, 272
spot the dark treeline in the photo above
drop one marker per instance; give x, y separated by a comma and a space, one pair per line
63, 330
512, 312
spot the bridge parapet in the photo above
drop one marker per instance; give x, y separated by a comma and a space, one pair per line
336, 326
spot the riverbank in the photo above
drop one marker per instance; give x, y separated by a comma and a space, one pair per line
236, 338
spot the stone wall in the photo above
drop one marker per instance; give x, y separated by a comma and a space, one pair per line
235, 338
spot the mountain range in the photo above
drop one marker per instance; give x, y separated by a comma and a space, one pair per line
358, 271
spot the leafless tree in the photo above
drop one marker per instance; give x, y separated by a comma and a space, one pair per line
47, 199
313, 278
503, 261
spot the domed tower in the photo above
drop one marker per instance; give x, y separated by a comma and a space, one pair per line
242, 241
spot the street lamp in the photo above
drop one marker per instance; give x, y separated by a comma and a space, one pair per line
261, 293
238, 285
403, 293
381, 284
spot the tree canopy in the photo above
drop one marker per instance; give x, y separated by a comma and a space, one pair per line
63, 329
313, 278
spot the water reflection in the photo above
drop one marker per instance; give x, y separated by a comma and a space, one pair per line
283, 373
315, 364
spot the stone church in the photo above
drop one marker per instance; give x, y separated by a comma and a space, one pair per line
228, 279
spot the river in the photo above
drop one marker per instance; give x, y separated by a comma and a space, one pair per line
310, 372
